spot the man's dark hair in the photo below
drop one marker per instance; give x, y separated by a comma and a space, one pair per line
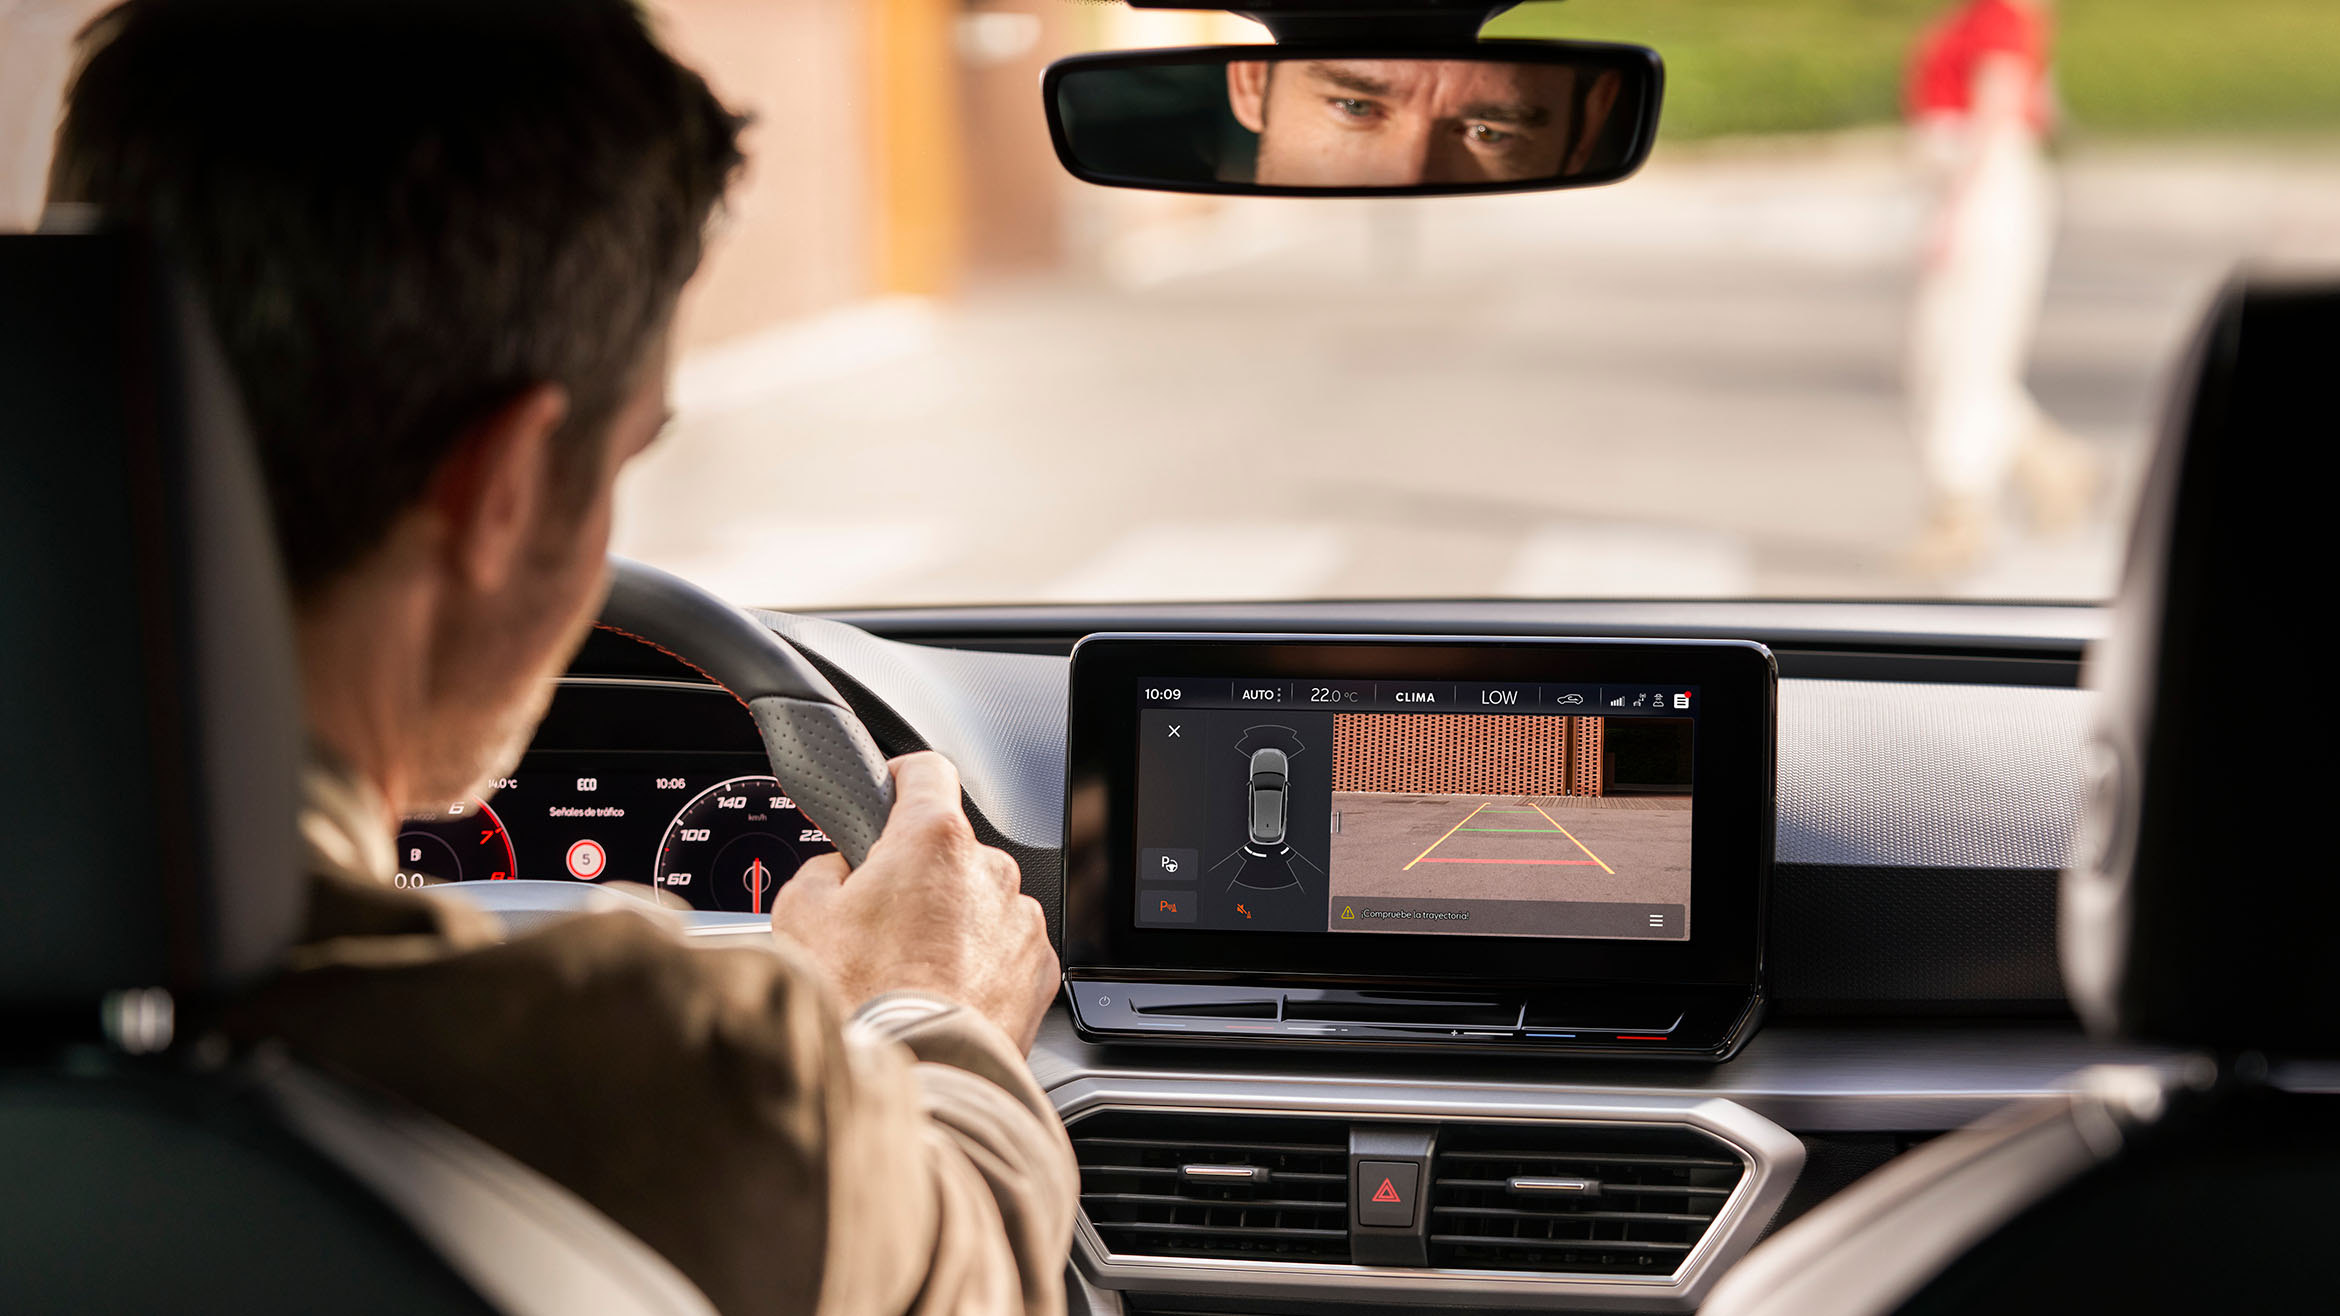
401, 213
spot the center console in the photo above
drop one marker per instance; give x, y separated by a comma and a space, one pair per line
1553, 846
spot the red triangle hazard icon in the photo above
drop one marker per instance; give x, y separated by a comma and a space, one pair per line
1387, 1192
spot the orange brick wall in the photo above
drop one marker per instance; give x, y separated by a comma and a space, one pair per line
1588, 769
1466, 754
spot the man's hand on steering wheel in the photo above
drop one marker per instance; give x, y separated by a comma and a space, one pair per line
931, 909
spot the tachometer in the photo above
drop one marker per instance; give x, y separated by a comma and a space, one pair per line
733, 845
464, 843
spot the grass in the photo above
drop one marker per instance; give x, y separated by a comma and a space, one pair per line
2125, 67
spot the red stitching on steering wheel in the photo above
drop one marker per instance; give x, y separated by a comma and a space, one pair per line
644, 639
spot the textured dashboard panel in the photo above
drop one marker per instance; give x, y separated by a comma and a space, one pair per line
1842, 937
1890, 775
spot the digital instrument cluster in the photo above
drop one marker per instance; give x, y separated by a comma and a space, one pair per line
714, 831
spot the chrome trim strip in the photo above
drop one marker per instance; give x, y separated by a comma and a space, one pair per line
1771, 1154
641, 682
1836, 1077
712, 923
1221, 1171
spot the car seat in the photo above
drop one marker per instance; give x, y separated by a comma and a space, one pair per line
2198, 912
151, 741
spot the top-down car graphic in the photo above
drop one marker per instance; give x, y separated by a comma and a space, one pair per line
1270, 793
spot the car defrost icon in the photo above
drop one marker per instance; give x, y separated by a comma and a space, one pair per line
1271, 778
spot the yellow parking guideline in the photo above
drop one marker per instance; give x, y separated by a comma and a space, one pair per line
1451, 831
1571, 836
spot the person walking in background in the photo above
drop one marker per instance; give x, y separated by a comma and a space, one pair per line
1981, 109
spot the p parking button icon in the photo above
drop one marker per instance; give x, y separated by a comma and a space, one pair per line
1162, 905
1168, 865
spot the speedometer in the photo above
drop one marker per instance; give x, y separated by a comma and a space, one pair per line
732, 846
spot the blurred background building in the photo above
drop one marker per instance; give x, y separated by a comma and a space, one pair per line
899, 148
923, 365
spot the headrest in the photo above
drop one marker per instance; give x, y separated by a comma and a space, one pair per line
2199, 906
150, 733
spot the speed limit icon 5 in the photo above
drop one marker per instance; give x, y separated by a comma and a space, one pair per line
586, 860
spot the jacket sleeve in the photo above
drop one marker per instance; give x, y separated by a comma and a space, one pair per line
1005, 1184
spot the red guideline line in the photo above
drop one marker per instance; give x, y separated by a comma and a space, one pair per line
1581, 863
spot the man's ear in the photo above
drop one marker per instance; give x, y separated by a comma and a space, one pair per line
1599, 103
1247, 81
489, 493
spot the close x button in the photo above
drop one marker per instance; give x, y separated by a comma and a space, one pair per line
1385, 1193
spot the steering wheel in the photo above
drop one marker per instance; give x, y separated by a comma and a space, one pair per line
818, 748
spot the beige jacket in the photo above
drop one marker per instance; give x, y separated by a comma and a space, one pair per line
720, 1104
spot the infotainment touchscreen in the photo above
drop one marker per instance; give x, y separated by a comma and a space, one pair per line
1533, 842
1460, 808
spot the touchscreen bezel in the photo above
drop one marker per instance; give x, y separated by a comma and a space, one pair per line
1731, 826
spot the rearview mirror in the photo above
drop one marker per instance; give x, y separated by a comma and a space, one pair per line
1496, 116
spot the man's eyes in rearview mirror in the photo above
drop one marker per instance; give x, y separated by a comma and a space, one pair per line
1506, 116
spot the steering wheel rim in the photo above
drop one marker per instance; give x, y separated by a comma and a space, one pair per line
818, 747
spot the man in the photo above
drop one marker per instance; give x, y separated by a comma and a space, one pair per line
1980, 109
442, 243
1405, 122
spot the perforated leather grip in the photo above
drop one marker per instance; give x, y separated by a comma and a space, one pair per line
825, 757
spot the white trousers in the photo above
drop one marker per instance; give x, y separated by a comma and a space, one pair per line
1979, 294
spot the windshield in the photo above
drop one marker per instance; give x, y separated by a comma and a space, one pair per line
1888, 314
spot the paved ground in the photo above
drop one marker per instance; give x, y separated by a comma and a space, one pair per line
1686, 385
1510, 847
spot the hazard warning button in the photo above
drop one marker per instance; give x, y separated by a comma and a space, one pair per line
1385, 1193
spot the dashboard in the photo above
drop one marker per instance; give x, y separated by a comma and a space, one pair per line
1927, 764
1925, 779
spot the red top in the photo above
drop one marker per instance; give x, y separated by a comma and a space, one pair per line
1941, 77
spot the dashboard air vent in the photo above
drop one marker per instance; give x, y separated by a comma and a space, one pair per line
1176, 1184
1578, 1198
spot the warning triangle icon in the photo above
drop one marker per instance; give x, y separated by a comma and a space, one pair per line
1387, 1192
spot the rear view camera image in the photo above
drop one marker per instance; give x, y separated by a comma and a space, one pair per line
1542, 825
1463, 808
